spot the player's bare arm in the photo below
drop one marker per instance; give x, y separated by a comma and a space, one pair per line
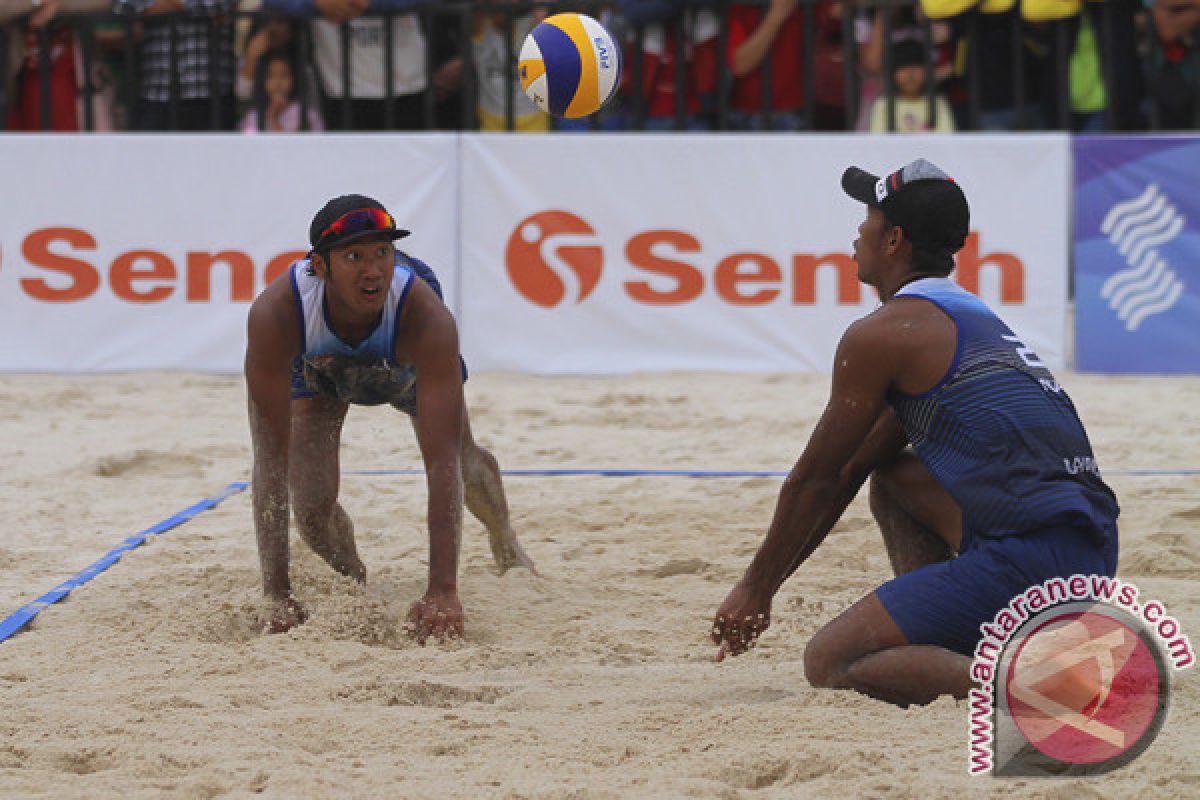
429, 341
856, 431
272, 342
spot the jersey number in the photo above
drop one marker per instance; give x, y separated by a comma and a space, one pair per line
1031, 360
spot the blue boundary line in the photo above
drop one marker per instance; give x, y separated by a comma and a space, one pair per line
22, 616
705, 473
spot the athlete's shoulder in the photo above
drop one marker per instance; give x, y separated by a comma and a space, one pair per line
900, 333
873, 335
274, 313
414, 265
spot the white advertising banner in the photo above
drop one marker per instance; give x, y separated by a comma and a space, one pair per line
625, 252
144, 252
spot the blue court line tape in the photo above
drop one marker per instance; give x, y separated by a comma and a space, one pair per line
707, 473
22, 616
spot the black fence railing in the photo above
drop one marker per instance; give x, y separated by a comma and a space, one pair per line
876, 64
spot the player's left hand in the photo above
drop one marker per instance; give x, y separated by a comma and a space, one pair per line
437, 614
740, 620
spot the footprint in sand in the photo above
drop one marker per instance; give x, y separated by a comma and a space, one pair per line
148, 462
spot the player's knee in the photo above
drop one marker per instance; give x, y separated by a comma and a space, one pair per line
820, 665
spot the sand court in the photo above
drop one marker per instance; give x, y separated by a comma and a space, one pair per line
594, 680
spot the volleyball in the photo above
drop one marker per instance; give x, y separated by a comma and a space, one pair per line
569, 65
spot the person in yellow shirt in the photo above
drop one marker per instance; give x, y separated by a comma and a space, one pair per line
494, 71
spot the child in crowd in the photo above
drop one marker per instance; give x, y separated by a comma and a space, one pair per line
909, 76
275, 94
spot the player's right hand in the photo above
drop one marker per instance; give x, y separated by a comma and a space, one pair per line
740, 620
284, 615
437, 614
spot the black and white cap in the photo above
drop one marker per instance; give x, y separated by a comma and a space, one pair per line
920, 198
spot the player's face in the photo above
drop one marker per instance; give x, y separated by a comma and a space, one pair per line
869, 245
359, 273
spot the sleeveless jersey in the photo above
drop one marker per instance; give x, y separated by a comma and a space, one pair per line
999, 433
365, 374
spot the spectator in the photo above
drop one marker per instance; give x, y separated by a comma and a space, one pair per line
268, 34
996, 81
22, 97
665, 23
911, 103
1115, 26
1175, 63
497, 75
829, 67
754, 34
200, 29
875, 35
1088, 97
275, 95
365, 99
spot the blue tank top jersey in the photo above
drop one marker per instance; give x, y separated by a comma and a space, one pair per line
365, 374
999, 433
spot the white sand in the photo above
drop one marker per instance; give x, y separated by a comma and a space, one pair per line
593, 681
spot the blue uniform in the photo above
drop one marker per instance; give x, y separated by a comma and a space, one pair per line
367, 373
1004, 440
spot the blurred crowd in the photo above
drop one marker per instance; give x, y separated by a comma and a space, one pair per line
782, 65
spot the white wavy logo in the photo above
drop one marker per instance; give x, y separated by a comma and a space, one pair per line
1137, 228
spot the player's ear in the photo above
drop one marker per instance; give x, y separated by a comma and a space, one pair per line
894, 239
319, 265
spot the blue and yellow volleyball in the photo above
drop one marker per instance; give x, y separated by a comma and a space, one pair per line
569, 65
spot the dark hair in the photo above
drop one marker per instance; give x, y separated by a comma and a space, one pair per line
909, 53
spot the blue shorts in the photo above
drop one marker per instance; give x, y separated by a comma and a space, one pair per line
944, 604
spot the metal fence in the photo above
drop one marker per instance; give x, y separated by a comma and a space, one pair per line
985, 52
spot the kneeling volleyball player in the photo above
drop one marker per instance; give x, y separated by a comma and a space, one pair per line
982, 478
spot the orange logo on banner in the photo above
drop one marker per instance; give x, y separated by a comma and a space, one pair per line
1083, 688
553, 256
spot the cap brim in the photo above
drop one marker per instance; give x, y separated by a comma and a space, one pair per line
860, 185
354, 237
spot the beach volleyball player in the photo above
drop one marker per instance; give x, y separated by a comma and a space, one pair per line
359, 322
981, 476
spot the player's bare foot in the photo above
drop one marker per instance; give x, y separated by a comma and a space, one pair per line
508, 553
350, 567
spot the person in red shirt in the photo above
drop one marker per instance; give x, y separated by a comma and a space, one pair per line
756, 34
663, 22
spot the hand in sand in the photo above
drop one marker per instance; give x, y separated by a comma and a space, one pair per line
285, 614
740, 620
437, 614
